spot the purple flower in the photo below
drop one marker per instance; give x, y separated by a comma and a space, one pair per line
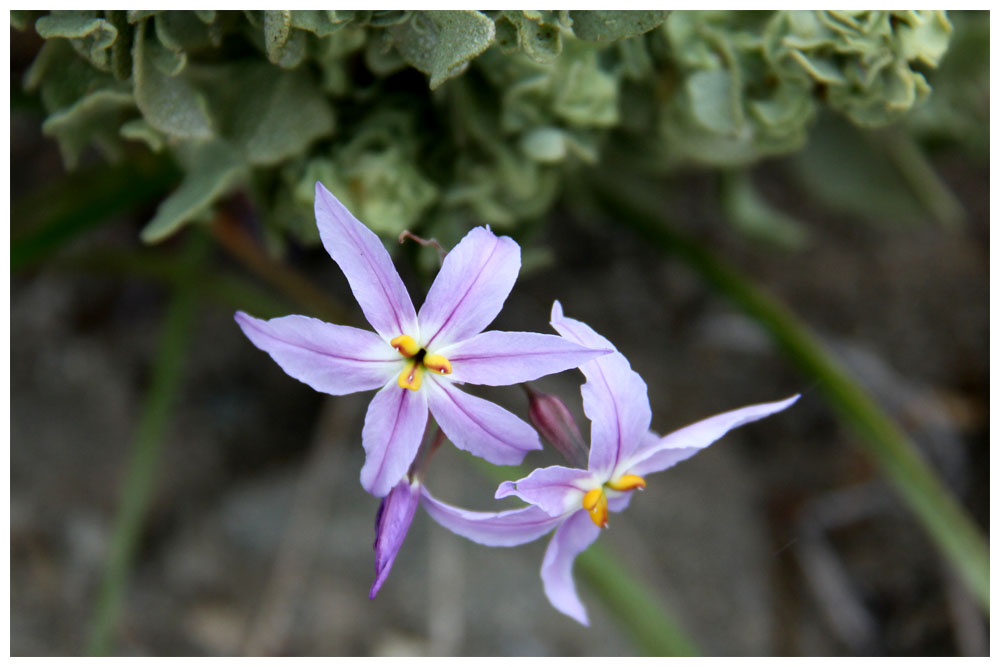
416, 359
574, 501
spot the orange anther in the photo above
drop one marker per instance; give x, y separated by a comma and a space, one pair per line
437, 363
627, 483
412, 375
405, 345
596, 503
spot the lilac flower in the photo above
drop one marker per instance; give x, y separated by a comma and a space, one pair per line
416, 359
574, 501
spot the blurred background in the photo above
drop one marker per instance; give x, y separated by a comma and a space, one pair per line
748, 204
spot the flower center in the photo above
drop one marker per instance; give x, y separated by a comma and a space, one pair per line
417, 361
595, 501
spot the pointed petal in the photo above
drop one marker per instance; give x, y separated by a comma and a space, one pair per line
498, 358
494, 529
366, 264
469, 291
392, 521
614, 397
394, 427
576, 534
657, 455
479, 426
556, 489
329, 358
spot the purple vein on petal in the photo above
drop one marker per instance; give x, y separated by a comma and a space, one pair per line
254, 324
476, 421
461, 300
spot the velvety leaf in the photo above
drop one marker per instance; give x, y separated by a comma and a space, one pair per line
441, 43
277, 28
92, 119
712, 100
540, 41
315, 21
170, 104
214, 168
274, 113
584, 94
926, 38
90, 36
605, 26
182, 31
139, 130
62, 76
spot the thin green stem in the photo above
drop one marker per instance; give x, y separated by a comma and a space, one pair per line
945, 520
919, 174
649, 624
46, 219
141, 472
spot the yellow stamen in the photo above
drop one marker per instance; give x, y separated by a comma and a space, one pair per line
412, 375
405, 345
627, 483
436, 362
595, 502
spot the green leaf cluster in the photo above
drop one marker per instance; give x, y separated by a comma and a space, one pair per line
740, 86
437, 120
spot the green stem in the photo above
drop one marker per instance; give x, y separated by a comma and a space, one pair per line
141, 473
46, 219
650, 625
945, 520
919, 174
219, 286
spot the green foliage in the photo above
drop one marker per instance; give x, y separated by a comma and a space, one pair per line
442, 119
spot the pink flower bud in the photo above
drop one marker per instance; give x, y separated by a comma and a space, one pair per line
556, 425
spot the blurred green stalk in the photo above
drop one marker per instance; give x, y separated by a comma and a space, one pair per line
140, 475
627, 200
628, 601
44, 220
650, 626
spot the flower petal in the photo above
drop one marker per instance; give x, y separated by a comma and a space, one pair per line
394, 427
656, 455
366, 264
499, 358
556, 489
469, 291
392, 522
573, 536
494, 529
330, 358
479, 426
614, 397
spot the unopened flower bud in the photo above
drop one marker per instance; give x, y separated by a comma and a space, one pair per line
556, 425
392, 521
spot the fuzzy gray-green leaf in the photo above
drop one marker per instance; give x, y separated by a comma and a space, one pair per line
90, 36
215, 167
275, 113
441, 43
606, 26
170, 103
